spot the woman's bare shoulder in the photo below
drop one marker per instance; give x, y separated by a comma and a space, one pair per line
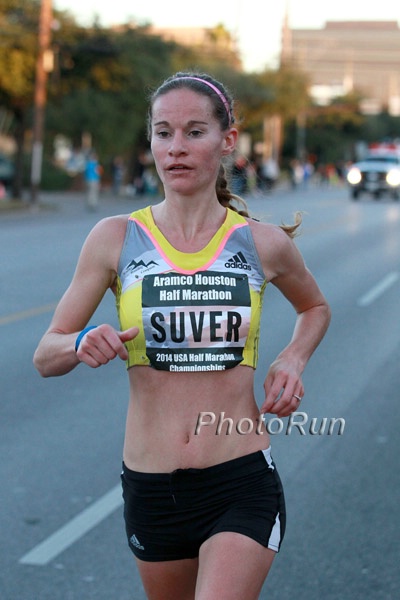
110, 229
274, 246
267, 234
111, 224
104, 242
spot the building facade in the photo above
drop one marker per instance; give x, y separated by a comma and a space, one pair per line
345, 56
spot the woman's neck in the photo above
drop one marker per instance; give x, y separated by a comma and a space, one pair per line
188, 227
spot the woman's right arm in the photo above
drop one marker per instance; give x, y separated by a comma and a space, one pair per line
95, 273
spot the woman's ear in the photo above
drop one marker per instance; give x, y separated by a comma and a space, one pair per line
231, 136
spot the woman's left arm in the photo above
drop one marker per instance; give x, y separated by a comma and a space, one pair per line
285, 268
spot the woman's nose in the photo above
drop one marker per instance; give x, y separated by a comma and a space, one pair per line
177, 145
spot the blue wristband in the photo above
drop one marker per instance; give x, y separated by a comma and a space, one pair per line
82, 333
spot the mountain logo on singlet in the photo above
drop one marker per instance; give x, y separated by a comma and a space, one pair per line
238, 261
135, 265
138, 268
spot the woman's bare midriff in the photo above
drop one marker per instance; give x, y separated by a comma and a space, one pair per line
182, 420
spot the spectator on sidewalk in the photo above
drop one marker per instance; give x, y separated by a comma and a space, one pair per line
92, 180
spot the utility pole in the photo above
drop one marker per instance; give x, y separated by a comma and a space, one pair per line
43, 66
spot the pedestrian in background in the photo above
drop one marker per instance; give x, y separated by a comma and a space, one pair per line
92, 180
270, 173
204, 512
239, 175
117, 174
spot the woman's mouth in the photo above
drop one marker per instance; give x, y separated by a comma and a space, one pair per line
178, 167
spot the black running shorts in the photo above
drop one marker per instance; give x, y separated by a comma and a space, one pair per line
168, 516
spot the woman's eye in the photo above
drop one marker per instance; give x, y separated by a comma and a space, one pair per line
195, 133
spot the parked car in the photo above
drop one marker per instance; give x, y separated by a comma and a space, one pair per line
377, 174
6, 170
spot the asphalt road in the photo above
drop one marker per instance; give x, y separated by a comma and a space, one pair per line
61, 523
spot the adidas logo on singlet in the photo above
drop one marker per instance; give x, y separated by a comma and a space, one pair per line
238, 261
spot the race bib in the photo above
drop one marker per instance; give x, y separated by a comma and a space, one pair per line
197, 322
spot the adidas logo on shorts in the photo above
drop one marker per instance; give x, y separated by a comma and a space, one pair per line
135, 542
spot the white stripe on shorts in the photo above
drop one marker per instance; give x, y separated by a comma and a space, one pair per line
275, 537
268, 458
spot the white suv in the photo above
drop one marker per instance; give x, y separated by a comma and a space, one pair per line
377, 174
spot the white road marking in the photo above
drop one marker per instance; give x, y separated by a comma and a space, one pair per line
379, 289
59, 541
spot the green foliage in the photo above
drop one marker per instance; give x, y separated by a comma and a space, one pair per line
18, 48
332, 130
288, 91
380, 127
102, 89
54, 178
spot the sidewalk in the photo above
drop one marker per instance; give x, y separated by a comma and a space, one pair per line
45, 201
71, 201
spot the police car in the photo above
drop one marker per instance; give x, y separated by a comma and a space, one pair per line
377, 174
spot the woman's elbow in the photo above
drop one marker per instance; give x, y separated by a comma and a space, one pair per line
41, 366
47, 364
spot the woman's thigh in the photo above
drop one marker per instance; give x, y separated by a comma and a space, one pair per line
232, 566
169, 580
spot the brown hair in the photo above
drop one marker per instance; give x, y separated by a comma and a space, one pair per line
223, 104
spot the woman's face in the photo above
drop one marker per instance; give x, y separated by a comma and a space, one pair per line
187, 142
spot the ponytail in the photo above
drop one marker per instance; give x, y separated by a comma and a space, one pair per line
225, 196
227, 199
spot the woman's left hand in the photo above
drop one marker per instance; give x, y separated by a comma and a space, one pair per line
283, 388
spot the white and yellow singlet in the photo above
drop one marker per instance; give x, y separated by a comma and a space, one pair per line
195, 311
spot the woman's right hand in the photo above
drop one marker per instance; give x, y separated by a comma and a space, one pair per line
104, 343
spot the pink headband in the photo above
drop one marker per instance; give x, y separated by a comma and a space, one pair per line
216, 90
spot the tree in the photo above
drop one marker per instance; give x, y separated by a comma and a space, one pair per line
18, 48
19, 29
332, 130
101, 88
271, 100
